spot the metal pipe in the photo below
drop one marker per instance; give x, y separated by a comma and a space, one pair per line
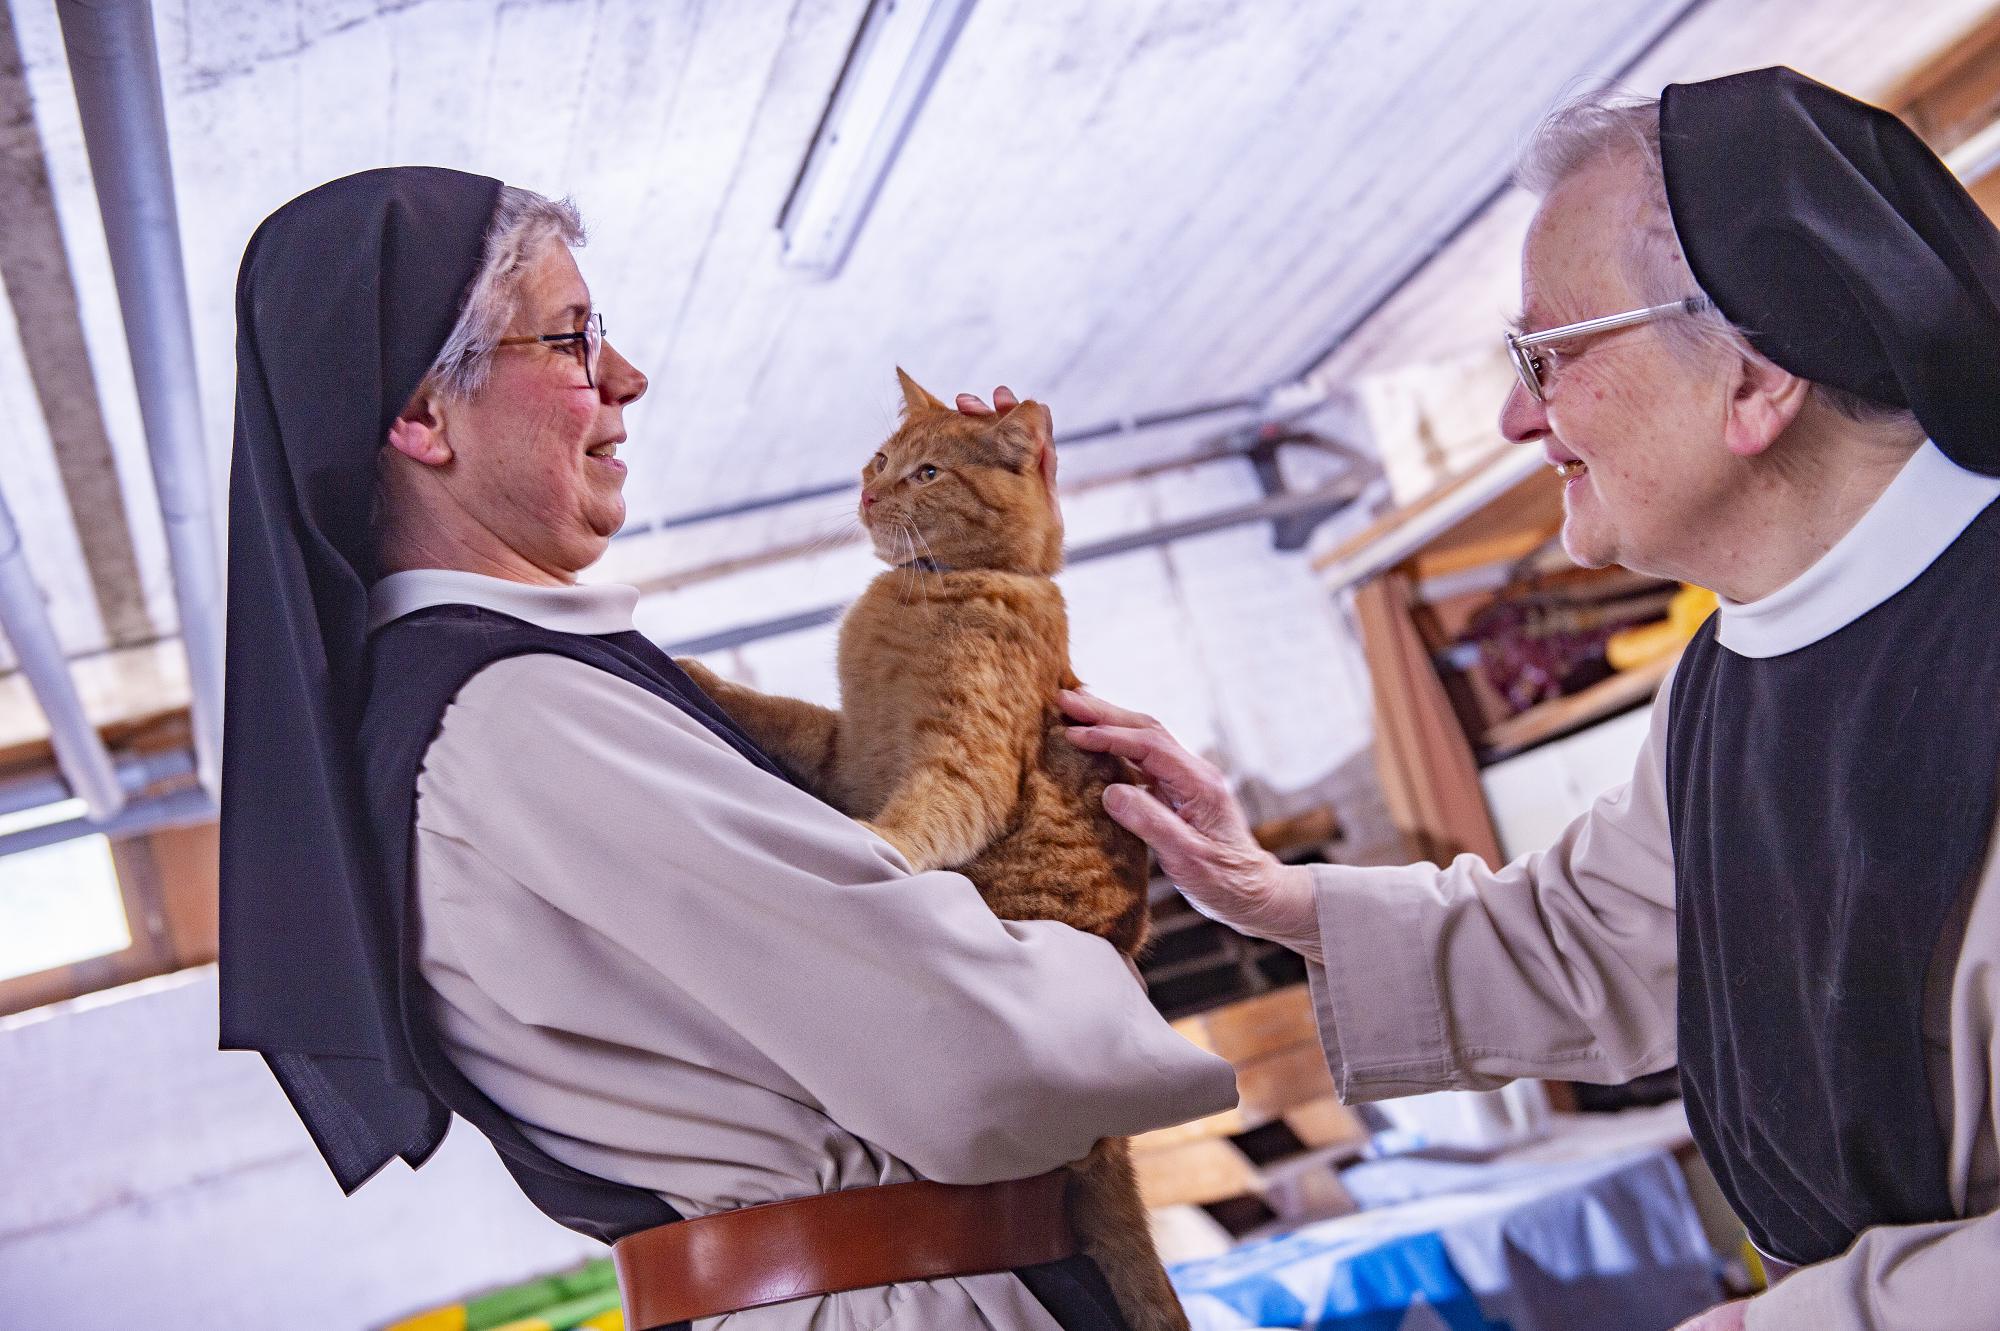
136, 772
1326, 499
183, 808
115, 68
24, 616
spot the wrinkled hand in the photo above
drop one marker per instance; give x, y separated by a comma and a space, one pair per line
1187, 815
1722, 1317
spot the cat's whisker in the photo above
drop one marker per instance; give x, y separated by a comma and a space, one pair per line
838, 531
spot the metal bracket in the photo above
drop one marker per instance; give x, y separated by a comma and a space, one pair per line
1291, 531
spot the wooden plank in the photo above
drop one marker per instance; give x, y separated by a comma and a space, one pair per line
1254, 1027
1430, 779
1314, 827
1325, 1122
1509, 549
1546, 720
187, 861
1194, 1174
1268, 1087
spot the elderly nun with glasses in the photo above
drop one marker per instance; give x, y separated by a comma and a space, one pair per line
1761, 345
488, 852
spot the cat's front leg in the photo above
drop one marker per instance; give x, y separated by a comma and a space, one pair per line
905, 846
801, 737
949, 806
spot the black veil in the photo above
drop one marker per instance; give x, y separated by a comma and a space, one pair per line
1850, 253
344, 299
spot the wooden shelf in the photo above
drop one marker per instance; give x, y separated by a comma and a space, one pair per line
1545, 721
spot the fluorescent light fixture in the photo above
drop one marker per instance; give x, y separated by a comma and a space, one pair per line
896, 58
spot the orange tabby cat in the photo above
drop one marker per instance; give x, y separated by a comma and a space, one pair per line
949, 744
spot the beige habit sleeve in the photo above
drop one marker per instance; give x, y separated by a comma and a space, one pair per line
896, 1004
1560, 964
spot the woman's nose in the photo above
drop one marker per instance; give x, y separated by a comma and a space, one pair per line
1523, 416
618, 379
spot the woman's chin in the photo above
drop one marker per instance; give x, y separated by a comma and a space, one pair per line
1585, 539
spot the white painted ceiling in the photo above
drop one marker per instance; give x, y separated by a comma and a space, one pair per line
1116, 205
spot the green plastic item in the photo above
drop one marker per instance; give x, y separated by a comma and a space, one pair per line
538, 1298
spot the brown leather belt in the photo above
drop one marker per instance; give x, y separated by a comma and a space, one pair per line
853, 1239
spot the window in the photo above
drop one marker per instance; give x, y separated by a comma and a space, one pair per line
91, 912
60, 903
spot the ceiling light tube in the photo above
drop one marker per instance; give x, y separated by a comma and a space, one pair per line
896, 58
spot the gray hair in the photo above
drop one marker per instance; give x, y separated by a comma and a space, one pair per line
524, 224
1608, 124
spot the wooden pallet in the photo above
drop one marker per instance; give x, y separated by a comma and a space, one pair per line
1276, 1153
1193, 964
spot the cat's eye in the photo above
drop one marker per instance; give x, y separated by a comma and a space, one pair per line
876, 463
927, 473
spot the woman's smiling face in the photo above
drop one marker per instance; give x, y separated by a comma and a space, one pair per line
1644, 419
535, 444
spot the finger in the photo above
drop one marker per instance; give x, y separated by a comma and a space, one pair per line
1177, 773
970, 405
1004, 400
1139, 813
1093, 710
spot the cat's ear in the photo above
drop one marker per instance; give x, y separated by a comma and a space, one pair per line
915, 398
1026, 438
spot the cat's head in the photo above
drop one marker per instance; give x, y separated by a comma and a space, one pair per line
965, 491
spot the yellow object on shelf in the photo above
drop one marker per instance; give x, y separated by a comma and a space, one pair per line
449, 1318
1646, 643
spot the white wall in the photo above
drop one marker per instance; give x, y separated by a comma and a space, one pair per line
147, 1180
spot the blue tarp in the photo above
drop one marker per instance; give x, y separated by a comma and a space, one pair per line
1453, 1247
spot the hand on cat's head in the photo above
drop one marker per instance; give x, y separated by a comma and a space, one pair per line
1032, 433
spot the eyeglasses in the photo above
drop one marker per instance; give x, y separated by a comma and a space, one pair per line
1529, 366
588, 340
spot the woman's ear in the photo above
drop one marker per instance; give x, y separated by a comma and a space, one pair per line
1763, 402
418, 431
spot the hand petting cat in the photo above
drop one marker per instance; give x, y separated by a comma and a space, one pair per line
1194, 825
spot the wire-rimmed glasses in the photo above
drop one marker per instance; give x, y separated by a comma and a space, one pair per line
589, 339
1529, 366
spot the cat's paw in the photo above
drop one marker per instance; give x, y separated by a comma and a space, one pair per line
706, 679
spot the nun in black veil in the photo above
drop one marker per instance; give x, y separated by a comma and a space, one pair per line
488, 851
1760, 346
